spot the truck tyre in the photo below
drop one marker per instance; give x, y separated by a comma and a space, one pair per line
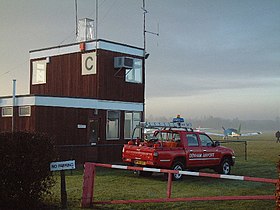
224, 167
179, 167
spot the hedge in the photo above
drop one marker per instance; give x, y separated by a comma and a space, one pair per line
25, 172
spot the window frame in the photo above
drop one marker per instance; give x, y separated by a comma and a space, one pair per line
137, 68
133, 123
196, 137
107, 125
24, 115
35, 72
5, 108
202, 141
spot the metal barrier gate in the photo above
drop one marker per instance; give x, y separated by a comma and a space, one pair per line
89, 178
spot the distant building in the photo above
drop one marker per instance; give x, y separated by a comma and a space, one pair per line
89, 96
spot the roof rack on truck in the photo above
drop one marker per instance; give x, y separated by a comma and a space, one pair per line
165, 125
178, 123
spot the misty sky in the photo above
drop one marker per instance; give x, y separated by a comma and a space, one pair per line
213, 57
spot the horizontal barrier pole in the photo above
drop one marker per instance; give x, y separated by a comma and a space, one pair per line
189, 173
88, 186
213, 198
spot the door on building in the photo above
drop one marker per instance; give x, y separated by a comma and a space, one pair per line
94, 131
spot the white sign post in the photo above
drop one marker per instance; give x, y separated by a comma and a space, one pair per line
62, 166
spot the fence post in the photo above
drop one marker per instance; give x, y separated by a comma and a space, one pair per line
277, 193
63, 192
88, 185
169, 185
246, 150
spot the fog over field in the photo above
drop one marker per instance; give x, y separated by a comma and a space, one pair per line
215, 123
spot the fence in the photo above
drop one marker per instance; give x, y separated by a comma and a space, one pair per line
239, 147
89, 179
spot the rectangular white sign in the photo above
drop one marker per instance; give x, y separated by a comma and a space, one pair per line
81, 126
89, 63
63, 165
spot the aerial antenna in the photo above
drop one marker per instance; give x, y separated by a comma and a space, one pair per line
96, 18
145, 31
76, 14
145, 54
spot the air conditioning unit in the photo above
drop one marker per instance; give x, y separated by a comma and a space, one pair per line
123, 62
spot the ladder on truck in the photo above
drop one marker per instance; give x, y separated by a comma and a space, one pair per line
165, 125
162, 126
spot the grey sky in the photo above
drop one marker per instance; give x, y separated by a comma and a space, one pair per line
213, 57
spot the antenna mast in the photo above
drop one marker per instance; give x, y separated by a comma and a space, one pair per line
144, 27
145, 54
96, 19
145, 31
76, 11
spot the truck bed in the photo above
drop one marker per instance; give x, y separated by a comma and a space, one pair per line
146, 154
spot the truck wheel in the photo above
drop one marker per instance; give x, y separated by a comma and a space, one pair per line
224, 167
179, 167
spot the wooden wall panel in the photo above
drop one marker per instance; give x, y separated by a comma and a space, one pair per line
112, 86
62, 123
21, 123
64, 78
5, 124
79, 154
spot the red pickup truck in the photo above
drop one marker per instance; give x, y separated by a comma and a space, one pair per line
176, 147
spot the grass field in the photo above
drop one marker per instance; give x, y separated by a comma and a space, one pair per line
113, 184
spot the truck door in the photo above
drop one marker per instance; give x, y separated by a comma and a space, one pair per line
193, 151
210, 154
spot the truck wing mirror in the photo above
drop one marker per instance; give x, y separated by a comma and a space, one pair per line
217, 143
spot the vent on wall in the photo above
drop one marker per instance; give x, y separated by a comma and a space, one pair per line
123, 62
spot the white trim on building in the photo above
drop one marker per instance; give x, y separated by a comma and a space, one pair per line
71, 103
90, 45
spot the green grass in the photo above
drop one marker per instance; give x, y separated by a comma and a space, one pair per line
114, 184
